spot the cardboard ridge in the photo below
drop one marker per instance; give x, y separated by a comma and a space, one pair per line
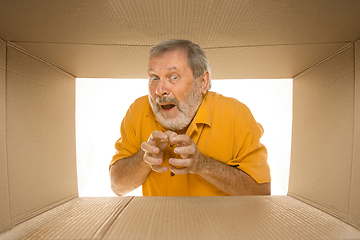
346, 47
5, 219
104, 228
332, 212
45, 45
14, 46
250, 217
354, 206
80, 218
322, 139
40, 136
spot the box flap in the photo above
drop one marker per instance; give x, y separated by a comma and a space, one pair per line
251, 217
354, 209
279, 61
80, 218
40, 135
272, 217
111, 38
322, 138
5, 221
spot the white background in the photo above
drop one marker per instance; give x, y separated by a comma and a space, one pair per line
102, 103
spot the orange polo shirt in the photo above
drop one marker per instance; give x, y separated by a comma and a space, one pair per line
223, 129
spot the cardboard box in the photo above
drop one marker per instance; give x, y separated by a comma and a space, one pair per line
38, 185
270, 217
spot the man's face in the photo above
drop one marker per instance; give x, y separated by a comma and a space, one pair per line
174, 94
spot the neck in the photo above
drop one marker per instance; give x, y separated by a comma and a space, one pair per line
183, 131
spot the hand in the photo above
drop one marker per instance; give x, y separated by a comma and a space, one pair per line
153, 149
191, 157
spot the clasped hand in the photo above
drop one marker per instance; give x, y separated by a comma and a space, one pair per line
185, 147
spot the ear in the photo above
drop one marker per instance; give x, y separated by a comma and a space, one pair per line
204, 82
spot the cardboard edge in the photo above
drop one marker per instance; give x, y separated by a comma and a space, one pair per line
30, 228
26, 216
262, 217
6, 219
25, 228
15, 47
342, 215
349, 45
104, 228
354, 208
329, 211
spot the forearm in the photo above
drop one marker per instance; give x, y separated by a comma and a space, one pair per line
231, 180
128, 174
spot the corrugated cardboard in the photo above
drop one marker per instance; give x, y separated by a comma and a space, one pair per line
272, 217
271, 39
354, 207
228, 62
49, 43
226, 218
322, 138
209, 23
40, 133
5, 221
80, 218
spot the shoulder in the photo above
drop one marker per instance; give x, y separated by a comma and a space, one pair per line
142, 101
227, 105
139, 108
140, 104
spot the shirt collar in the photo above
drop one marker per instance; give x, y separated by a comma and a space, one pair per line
203, 113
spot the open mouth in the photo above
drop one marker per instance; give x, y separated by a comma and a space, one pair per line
168, 106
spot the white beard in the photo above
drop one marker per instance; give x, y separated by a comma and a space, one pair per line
186, 112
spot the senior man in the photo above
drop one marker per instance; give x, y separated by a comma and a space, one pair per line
184, 140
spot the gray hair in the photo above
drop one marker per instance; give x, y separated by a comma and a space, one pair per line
196, 56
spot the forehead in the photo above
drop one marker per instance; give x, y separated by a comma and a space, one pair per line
170, 60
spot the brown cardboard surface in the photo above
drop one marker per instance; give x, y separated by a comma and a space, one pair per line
226, 63
272, 217
354, 208
86, 60
40, 119
252, 217
251, 62
252, 39
93, 29
229, 22
5, 221
80, 218
322, 138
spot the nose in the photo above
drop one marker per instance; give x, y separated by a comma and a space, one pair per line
162, 88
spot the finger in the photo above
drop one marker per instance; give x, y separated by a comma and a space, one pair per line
186, 150
158, 169
170, 134
179, 171
152, 160
159, 139
157, 136
180, 140
180, 162
149, 148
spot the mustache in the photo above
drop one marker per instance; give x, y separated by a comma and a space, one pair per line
166, 99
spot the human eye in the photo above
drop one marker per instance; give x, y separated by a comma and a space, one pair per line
174, 78
154, 79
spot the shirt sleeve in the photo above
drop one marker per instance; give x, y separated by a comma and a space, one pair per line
127, 145
251, 154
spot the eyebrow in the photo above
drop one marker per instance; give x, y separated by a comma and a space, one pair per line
169, 69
